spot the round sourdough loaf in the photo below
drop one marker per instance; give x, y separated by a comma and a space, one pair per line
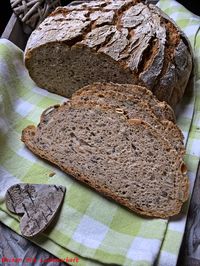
121, 41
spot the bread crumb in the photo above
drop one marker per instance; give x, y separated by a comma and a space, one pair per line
52, 174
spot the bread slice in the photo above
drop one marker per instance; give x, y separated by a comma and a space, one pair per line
124, 159
120, 41
161, 109
133, 107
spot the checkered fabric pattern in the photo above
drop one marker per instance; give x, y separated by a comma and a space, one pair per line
90, 227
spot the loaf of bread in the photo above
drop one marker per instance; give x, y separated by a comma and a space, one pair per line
120, 41
116, 146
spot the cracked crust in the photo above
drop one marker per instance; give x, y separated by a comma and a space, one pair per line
110, 41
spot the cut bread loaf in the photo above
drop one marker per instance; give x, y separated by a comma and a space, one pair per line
133, 107
120, 41
125, 159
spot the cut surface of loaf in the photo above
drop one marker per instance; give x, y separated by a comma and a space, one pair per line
125, 159
120, 41
133, 107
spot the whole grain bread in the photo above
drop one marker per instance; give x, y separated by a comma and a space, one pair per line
133, 107
120, 41
125, 159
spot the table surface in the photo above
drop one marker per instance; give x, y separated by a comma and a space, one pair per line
14, 246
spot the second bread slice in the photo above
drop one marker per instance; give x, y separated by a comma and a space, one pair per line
133, 106
161, 109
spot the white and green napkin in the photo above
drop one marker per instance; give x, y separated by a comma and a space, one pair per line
90, 227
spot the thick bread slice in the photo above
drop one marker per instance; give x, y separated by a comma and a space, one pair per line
161, 109
125, 159
134, 108
120, 41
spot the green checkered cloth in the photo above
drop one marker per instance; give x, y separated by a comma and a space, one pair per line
90, 227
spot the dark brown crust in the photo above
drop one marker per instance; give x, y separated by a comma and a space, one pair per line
30, 131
